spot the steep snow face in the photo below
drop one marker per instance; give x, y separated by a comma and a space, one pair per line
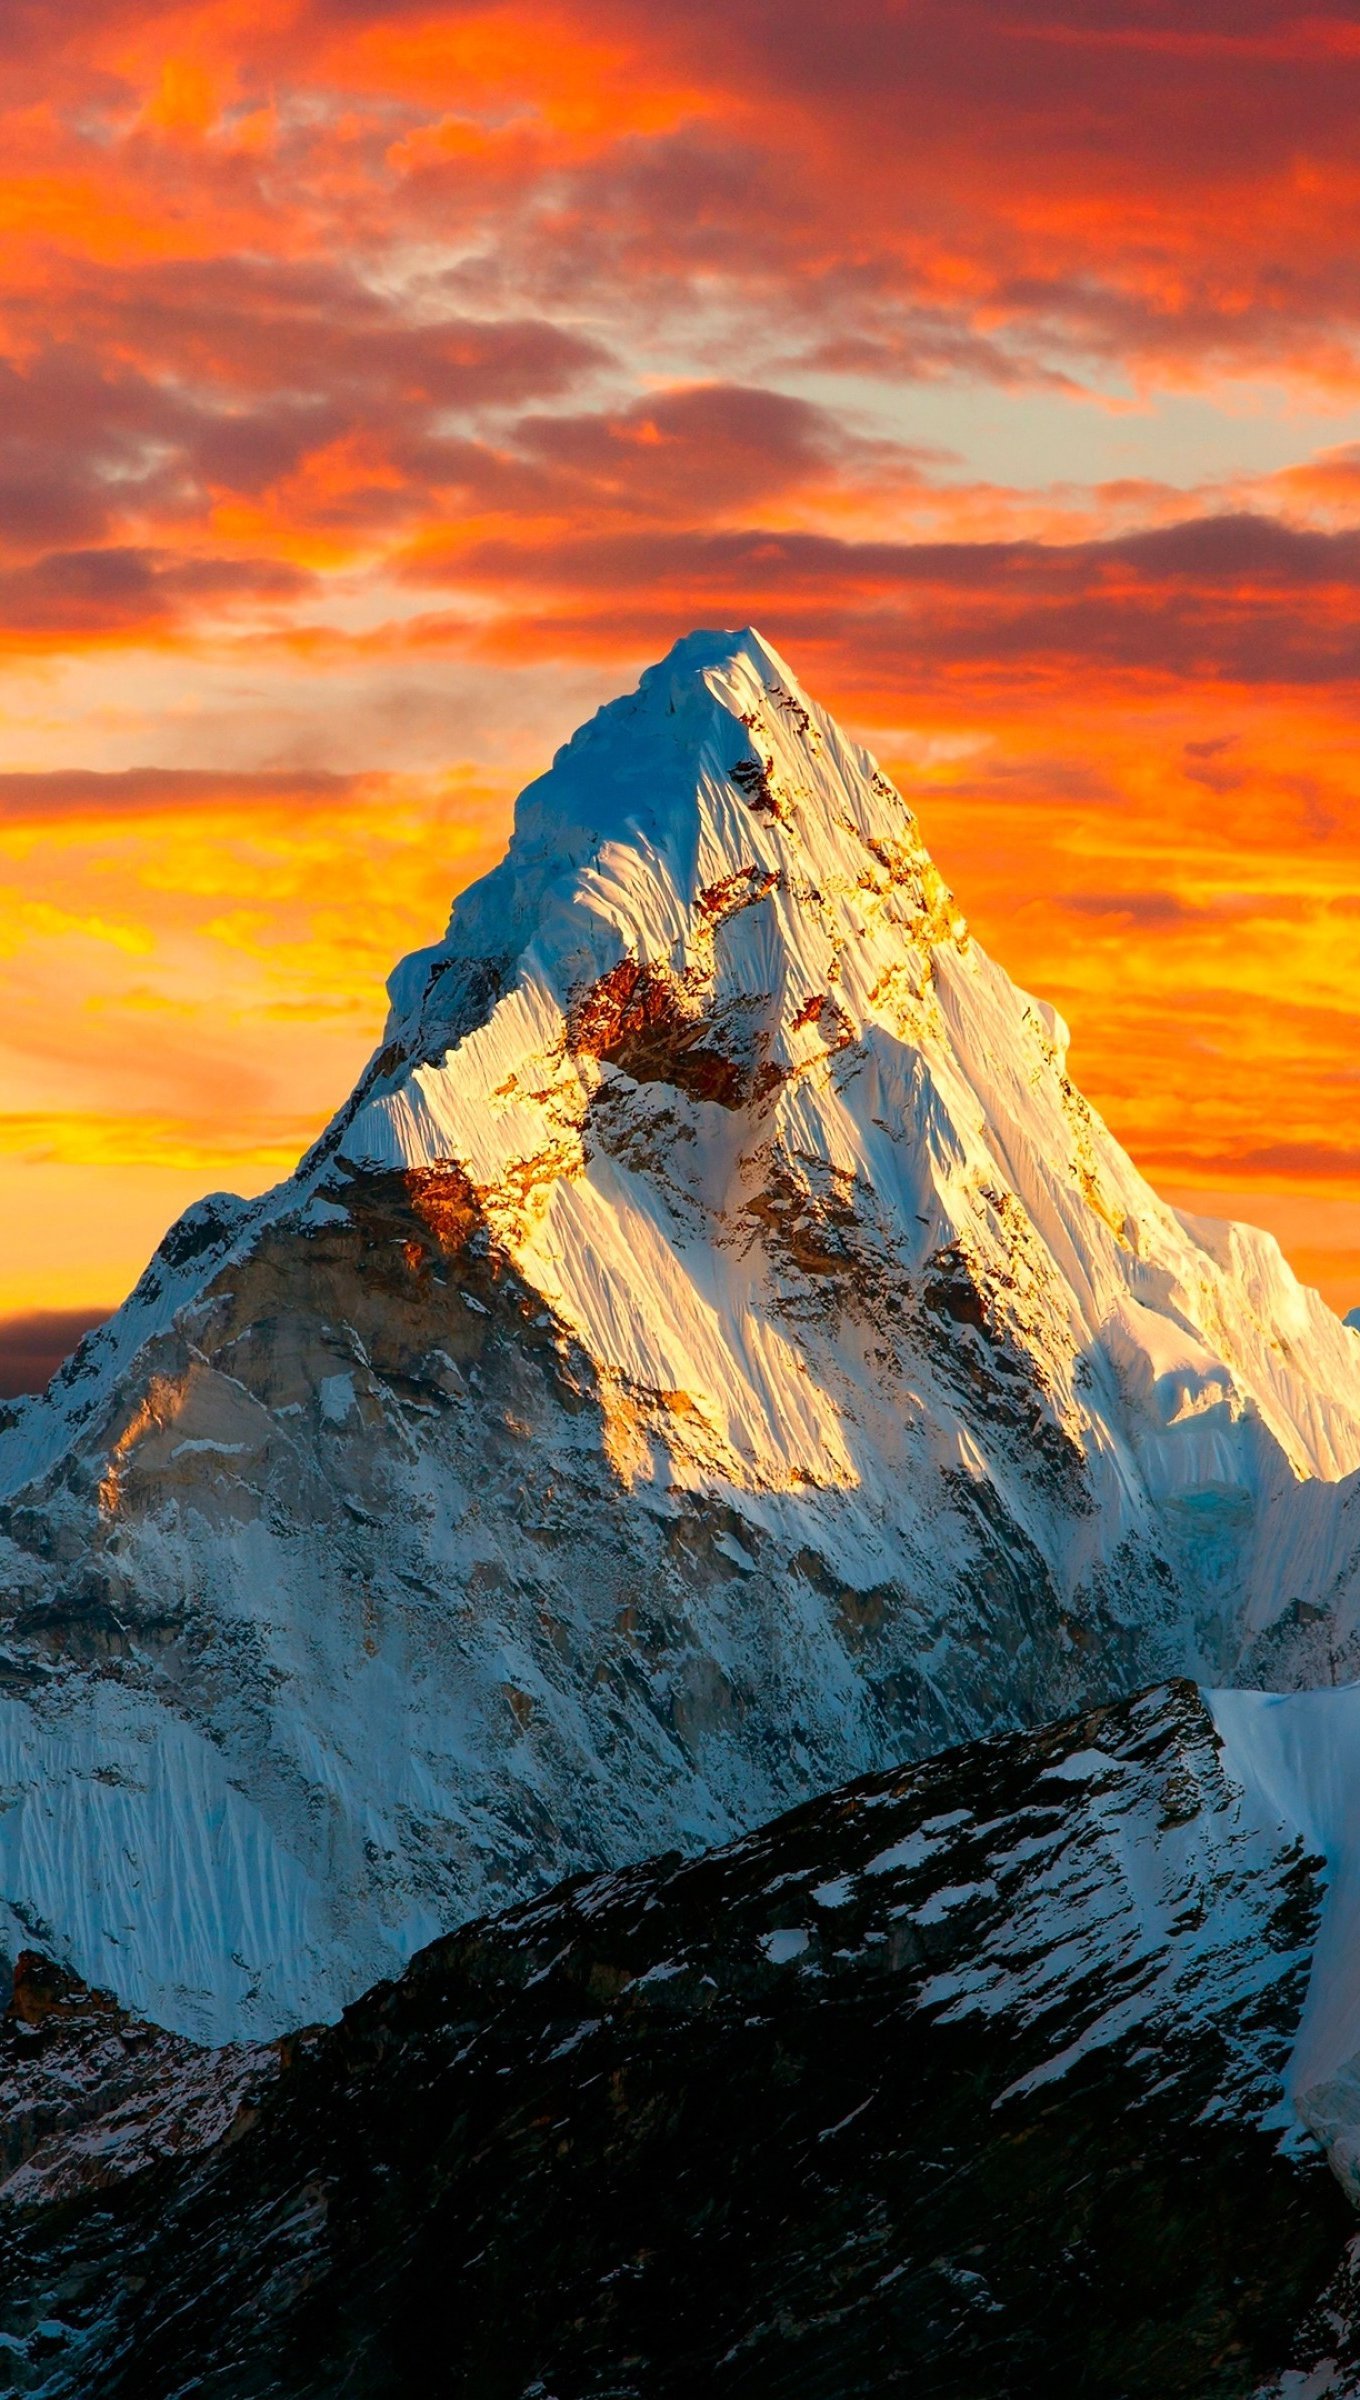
715, 1352
1296, 1758
742, 1041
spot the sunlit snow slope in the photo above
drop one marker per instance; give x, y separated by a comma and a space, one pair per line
715, 1351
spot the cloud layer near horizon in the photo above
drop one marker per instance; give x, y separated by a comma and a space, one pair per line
381, 386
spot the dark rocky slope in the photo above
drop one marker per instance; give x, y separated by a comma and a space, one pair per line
951, 2084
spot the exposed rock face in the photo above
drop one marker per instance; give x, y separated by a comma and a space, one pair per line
714, 1352
958, 2082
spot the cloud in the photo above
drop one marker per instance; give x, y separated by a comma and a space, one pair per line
1008, 189
980, 182
119, 590
173, 394
1329, 1161
1229, 600
703, 449
285, 329
1133, 908
84, 794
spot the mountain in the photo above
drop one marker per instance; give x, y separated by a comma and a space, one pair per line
714, 1353
964, 2080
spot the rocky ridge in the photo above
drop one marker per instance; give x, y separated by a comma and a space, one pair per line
964, 2079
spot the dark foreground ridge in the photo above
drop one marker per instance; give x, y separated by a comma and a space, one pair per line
947, 2085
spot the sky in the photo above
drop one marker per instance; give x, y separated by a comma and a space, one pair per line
383, 387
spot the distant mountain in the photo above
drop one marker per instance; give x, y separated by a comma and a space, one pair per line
963, 2081
714, 1353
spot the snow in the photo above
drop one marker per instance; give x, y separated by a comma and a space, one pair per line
1297, 1756
834, 1894
914, 1848
1080, 1766
783, 1946
942, 1903
335, 1394
155, 1842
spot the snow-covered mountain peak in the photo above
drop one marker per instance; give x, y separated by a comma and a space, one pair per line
718, 776
715, 1351
711, 1053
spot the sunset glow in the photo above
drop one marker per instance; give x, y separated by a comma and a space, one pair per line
381, 388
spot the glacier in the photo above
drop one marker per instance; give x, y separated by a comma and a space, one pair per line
715, 1352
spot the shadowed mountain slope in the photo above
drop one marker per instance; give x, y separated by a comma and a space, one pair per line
965, 2079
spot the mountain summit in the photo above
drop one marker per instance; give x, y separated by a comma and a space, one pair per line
715, 1352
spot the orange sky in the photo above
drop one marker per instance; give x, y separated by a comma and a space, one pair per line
381, 387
